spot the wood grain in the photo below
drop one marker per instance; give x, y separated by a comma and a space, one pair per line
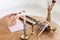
7, 35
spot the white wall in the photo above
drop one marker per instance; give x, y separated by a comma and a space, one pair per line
7, 6
33, 7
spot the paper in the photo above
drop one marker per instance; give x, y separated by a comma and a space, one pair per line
18, 26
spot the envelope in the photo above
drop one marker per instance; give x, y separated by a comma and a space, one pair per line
17, 27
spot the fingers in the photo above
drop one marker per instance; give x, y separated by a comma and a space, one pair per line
11, 19
11, 23
9, 15
12, 14
53, 1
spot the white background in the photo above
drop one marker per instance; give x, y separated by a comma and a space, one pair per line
33, 7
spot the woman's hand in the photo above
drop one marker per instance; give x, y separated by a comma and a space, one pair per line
9, 20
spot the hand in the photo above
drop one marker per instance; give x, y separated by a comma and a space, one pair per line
53, 1
9, 20
49, 8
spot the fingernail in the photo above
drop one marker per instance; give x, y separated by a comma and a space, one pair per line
15, 14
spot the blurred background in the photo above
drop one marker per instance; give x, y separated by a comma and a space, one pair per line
32, 7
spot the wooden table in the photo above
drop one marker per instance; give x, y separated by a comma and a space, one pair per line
5, 34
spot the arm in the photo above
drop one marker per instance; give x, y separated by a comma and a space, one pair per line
50, 6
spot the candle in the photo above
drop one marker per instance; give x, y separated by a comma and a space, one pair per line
24, 23
23, 13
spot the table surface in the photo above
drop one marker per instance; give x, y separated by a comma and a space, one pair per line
5, 34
